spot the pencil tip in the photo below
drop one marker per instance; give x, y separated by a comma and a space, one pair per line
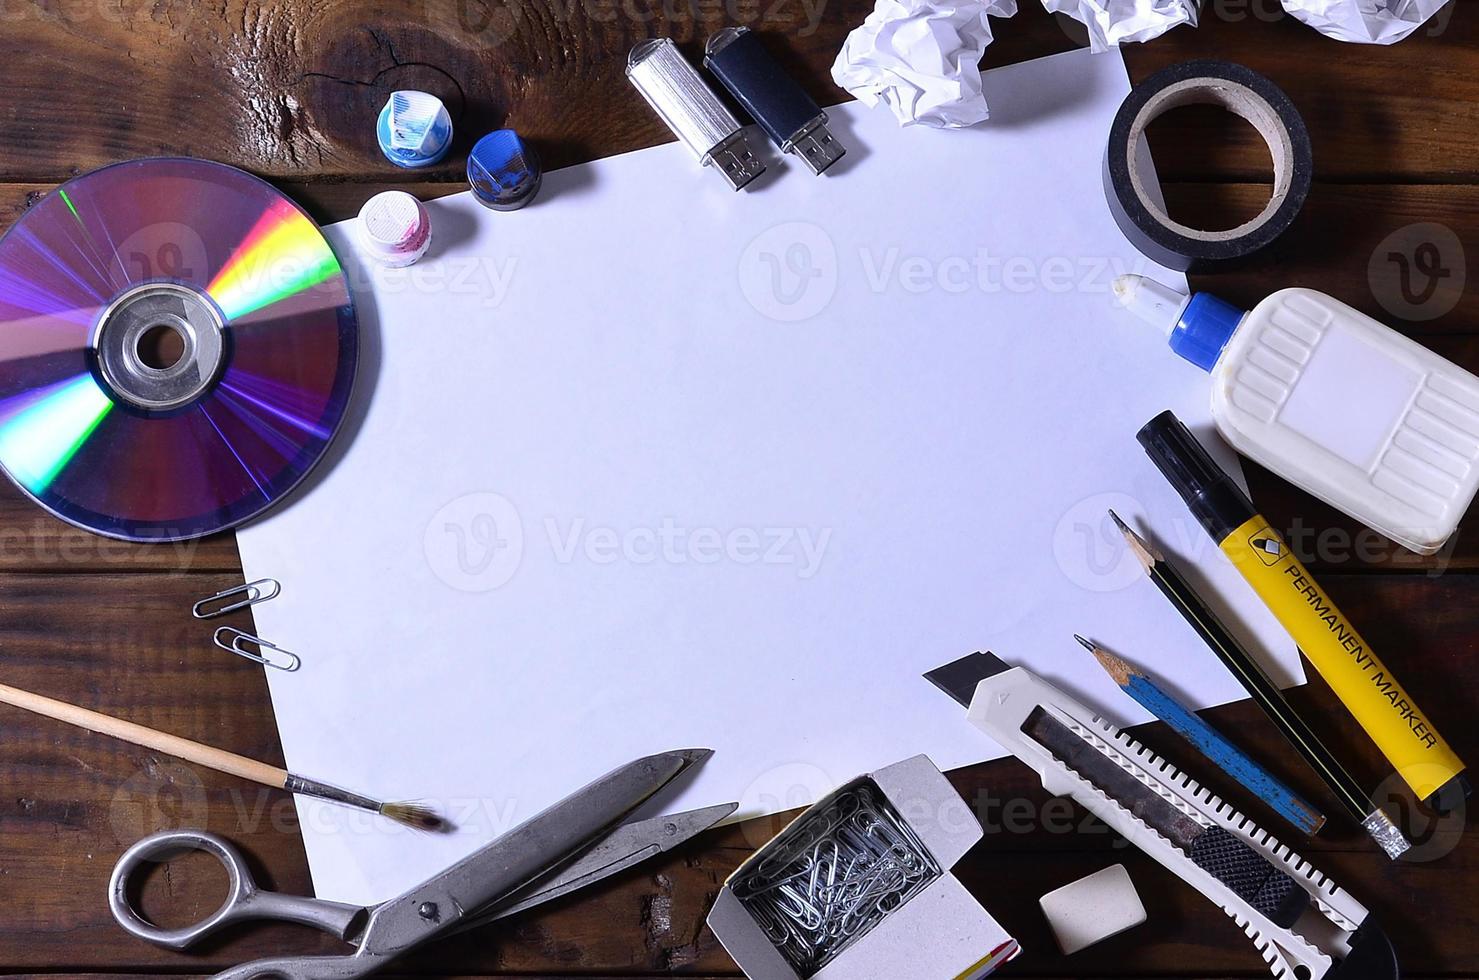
1143, 550
1113, 666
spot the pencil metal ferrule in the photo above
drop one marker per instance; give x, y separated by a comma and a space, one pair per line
1386, 834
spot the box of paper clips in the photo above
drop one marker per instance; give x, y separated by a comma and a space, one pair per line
859, 888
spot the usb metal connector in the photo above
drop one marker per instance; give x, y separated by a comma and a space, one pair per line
775, 100
736, 161
816, 147
692, 110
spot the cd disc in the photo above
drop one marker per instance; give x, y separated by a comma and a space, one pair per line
177, 347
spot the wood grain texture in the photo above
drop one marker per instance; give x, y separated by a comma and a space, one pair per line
30, 540
78, 800
289, 89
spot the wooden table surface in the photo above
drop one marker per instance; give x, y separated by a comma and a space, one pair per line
289, 90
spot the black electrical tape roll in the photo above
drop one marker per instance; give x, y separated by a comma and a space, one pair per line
1241, 91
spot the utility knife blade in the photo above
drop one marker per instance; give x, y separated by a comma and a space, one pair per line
1302, 923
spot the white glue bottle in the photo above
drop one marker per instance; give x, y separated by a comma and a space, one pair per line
1347, 408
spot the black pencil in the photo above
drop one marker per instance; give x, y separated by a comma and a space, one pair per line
1265, 692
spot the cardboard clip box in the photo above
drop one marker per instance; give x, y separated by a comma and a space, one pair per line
939, 932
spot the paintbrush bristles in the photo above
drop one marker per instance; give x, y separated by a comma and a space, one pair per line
414, 815
1116, 668
1143, 550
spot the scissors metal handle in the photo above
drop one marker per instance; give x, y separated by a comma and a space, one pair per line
244, 900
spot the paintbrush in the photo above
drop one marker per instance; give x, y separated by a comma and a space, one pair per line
410, 814
1207, 740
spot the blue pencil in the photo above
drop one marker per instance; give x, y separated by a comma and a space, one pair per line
1208, 741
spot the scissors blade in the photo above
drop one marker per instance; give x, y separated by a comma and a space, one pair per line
524, 854
628, 845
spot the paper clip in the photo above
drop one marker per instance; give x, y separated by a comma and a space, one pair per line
259, 591
267, 653
832, 876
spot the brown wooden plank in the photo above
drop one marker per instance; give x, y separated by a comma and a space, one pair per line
1361, 124
1331, 543
32, 540
126, 644
289, 90
1331, 248
292, 89
1341, 244
1328, 541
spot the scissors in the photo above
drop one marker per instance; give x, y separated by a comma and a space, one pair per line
578, 841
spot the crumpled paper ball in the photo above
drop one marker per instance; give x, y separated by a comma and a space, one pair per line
1364, 21
921, 58
1113, 22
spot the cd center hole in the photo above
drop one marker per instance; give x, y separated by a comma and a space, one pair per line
161, 346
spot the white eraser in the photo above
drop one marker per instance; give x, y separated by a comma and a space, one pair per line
1092, 909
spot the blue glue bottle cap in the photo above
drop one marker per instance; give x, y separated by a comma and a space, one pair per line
1198, 326
1204, 328
504, 171
414, 129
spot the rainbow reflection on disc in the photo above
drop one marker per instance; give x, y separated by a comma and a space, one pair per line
177, 348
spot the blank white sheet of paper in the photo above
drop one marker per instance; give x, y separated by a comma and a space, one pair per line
651, 464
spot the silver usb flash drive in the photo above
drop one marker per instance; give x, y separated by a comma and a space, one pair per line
692, 111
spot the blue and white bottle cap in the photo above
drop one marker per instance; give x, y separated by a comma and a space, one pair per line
1198, 326
1204, 328
504, 171
414, 129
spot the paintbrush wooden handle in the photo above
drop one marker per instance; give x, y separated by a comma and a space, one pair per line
181, 748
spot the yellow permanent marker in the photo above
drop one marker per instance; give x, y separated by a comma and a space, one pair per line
1328, 640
